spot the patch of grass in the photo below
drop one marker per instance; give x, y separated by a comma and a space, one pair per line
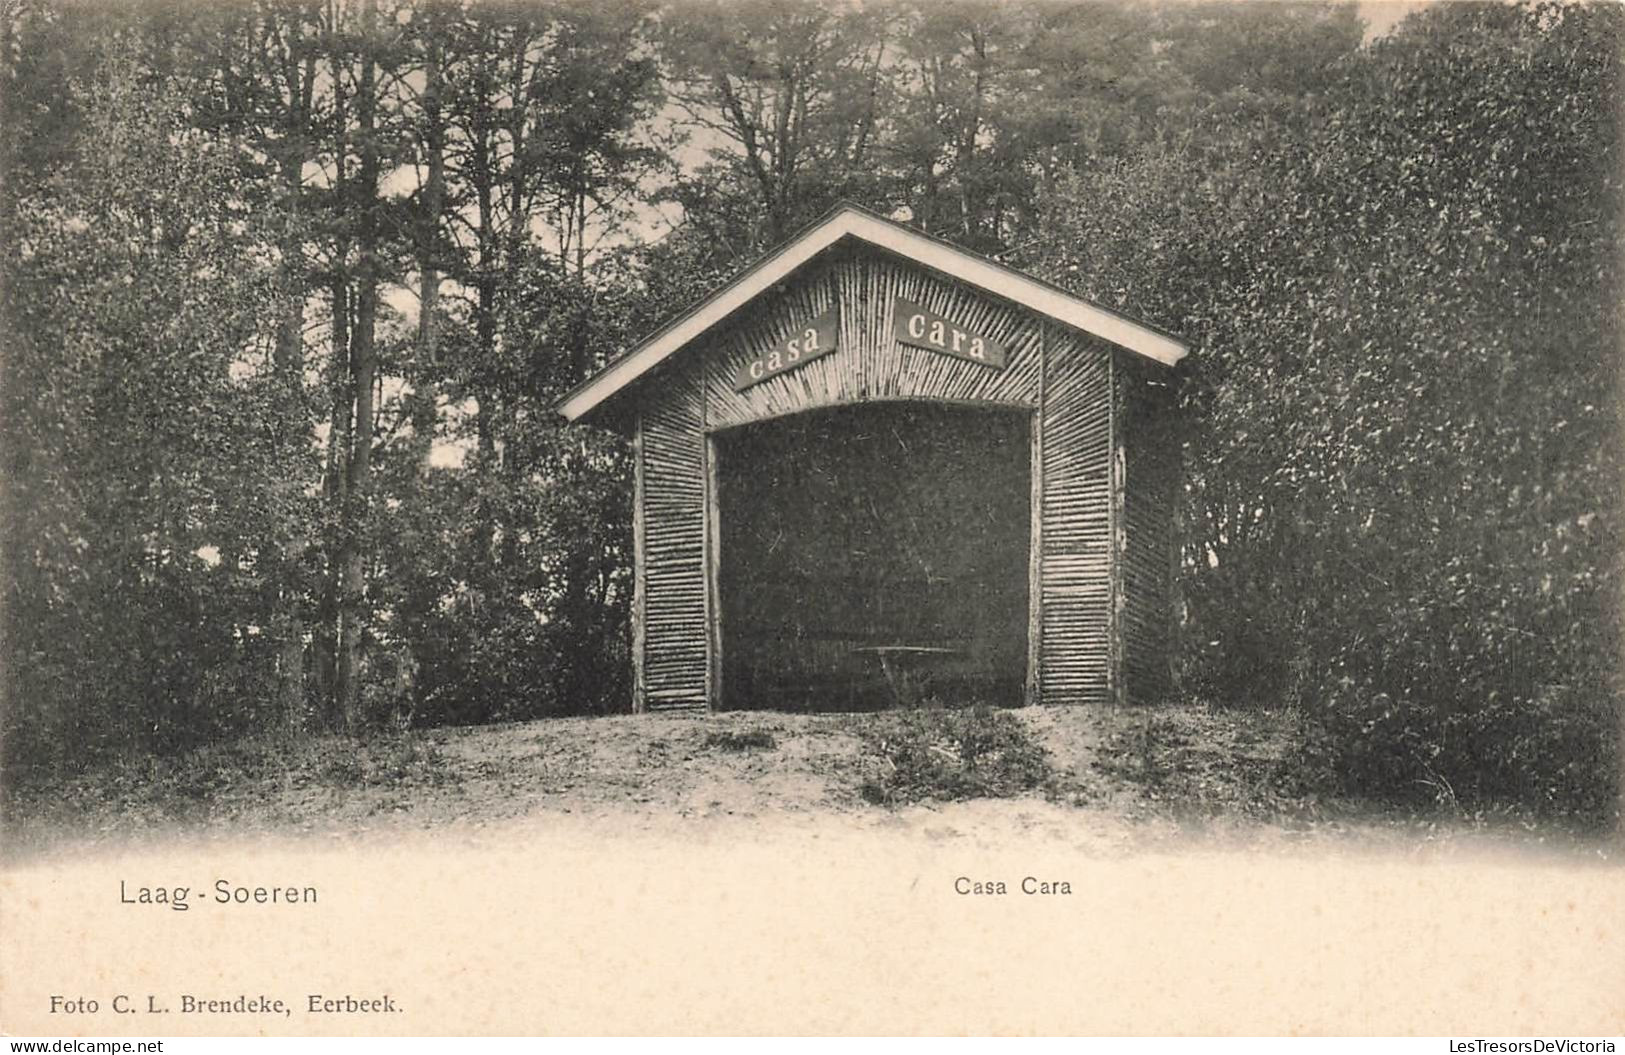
345, 771
1189, 762
946, 754
399, 760
1149, 754
235, 775
750, 740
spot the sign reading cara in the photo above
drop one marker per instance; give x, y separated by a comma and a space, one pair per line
923, 328
806, 343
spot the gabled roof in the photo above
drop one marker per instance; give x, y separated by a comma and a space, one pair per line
848, 221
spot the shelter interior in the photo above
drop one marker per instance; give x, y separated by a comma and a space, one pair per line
867, 543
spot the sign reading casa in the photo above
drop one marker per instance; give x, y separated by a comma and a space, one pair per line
921, 327
804, 344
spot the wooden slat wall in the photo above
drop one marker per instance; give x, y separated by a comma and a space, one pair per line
671, 448
1076, 528
1150, 481
869, 364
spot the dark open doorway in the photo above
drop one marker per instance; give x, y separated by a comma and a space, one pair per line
861, 539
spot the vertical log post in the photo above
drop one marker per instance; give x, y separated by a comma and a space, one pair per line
640, 577
1116, 534
712, 555
1173, 598
1034, 692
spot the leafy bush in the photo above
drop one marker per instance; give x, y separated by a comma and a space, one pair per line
953, 754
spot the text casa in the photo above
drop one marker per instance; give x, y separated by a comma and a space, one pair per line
1028, 885
805, 343
789, 355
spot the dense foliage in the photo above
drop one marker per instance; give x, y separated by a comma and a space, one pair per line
290, 287
1403, 468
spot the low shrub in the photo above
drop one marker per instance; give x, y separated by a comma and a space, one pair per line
751, 740
953, 754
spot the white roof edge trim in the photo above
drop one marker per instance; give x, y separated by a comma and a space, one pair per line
1029, 292
954, 262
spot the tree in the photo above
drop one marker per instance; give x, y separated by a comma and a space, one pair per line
785, 98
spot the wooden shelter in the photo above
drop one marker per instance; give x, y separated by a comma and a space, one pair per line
875, 451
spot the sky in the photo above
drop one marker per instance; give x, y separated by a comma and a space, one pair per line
1382, 15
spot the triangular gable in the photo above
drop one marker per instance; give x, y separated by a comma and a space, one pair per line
852, 222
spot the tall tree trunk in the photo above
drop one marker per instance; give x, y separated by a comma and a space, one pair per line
290, 367
335, 481
433, 203
363, 367
483, 175
966, 153
518, 169
335, 489
581, 232
293, 151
